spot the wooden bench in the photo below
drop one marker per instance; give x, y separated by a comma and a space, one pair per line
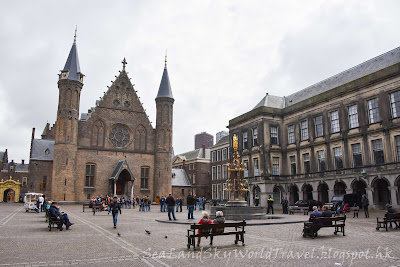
337, 222
53, 221
97, 208
303, 210
192, 233
394, 217
87, 205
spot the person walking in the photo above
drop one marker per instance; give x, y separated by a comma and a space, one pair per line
191, 203
177, 204
171, 206
115, 208
162, 204
270, 205
200, 203
365, 204
180, 204
204, 203
285, 205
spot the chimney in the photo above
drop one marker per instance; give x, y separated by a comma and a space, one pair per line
204, 151
183, 164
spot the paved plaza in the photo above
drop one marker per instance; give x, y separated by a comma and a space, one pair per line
92, 241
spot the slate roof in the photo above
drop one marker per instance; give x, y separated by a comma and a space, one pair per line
271, 101
180, 178
223, 140
194, 154
121, 165
368, 67
165, 86
21, 167
39, 147
72, 65
84, 116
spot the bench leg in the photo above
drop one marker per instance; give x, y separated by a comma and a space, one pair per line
242, 238
237, 239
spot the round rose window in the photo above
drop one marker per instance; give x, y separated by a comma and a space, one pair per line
119, 136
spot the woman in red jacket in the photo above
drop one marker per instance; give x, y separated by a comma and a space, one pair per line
204, 220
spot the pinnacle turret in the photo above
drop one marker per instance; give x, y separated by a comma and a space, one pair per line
72, 70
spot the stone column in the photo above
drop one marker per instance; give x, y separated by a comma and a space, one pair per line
370, 197
115, 188
331, 193
393, 198
132, 191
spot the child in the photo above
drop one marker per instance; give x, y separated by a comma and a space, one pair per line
204, 220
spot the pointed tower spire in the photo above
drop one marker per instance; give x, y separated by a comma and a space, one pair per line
72, 70
165, 86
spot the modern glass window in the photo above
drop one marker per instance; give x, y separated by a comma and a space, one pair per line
373, 111
255, 136
275, 166
292, 165
224, 171
213, 157
256, 168
395, 104
213, 173
274, 135
335, 126
377, 148
357, 156
90, 168
397, 140
321, 160
291, 138
219, 172
304, 130
353, 117
338, 158
306, 163
144, 177
244, 140
224, 154
219, 155
246, 168
319, 129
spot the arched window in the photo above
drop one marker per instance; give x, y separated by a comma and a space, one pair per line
165, 114
140, 138
90, 174
68, 98
98, 134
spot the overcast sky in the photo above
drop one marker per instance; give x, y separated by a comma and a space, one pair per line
223, 56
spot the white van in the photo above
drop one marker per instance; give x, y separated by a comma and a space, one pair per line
30, 200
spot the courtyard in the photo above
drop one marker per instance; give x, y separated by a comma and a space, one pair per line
92, 241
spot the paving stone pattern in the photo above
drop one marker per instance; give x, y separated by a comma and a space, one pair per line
92, 241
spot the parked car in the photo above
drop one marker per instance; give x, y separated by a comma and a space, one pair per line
351, 199
308, 203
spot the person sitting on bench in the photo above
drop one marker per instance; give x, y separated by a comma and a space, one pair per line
55, 212
219, 219
315, 214
204, 220
390, 209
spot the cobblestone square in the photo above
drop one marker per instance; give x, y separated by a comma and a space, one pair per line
92, 241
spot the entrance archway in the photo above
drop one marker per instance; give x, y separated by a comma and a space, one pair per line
359, 188
293, 194
339, 188
323, 195
381, 192
10, 191
307, 192
122, 181
119, 180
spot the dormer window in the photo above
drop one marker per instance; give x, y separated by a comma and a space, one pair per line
47, 151
64, 75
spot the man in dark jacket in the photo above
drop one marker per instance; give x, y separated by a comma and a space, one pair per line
55, 212
365, 204
115, 208
191, 202
170, 201
390, 209
326, 212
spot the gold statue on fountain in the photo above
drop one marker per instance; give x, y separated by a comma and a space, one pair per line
236, 184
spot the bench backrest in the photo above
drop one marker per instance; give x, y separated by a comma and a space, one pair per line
329, 219
392, 215
299, 208
216, 226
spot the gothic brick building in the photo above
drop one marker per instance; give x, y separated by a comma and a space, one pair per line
113, 149
341, 135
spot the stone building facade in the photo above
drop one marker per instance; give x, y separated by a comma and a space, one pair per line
341, 135
219, 169
113, 149
13, 178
